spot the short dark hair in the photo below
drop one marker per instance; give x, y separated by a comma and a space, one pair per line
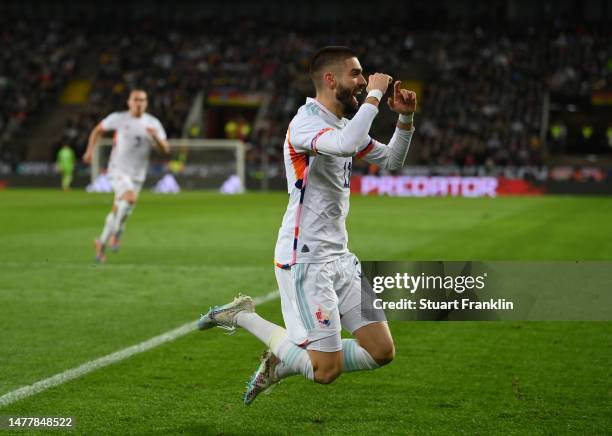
137, 89
327, 56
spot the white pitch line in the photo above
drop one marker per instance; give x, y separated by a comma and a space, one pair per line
127, 266
92, 365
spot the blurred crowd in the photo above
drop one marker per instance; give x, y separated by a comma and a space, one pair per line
36, 61
485, 105
481, 103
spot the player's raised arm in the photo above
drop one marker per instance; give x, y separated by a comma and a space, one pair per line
393, 155
354, 135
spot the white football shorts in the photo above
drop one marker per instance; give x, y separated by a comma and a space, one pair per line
319, 299
122, 183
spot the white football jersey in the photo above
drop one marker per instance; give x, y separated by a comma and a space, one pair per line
132, 143
313, 228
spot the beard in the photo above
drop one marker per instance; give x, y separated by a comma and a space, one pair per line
346, 97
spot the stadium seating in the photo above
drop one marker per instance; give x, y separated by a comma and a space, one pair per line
36, 60
482, 94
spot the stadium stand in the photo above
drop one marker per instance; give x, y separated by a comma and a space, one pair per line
36, 61
483, 88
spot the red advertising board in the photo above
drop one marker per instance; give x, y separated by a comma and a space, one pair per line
442, 186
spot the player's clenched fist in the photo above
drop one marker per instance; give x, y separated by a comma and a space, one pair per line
402, 101
379, 81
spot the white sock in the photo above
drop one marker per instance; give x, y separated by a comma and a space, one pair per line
356, 358
122, 209
283, 370
256, 325
108, 227
295, 359
128, 213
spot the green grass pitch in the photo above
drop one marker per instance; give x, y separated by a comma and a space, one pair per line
183, 253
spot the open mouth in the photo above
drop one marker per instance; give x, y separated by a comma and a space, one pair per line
355, 94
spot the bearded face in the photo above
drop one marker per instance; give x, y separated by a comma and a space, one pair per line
341, 82
347, 96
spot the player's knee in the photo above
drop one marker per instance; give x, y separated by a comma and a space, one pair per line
130, 197
325, 372
327, 375
384, 354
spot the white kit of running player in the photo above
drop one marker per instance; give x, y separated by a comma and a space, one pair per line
319, 279
129, 160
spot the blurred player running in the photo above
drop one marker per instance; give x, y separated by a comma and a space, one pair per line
318, 278
136, 132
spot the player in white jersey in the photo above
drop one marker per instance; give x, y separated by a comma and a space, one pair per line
318, 278
136, 133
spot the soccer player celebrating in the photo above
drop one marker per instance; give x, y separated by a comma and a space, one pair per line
136, 132
318, 278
